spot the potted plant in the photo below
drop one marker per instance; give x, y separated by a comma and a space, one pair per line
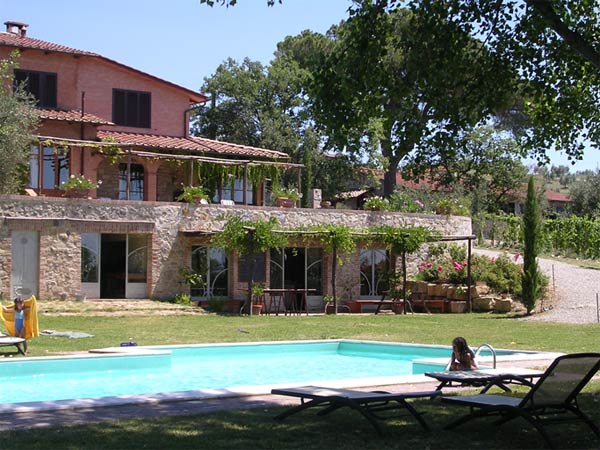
285, 196
328, 304
258, 300
78, 186
376, 204
193, 194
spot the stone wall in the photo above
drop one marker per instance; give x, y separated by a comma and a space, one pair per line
60, 222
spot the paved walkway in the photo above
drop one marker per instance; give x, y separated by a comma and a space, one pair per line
29, 420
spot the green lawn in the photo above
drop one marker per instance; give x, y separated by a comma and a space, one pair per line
255, 428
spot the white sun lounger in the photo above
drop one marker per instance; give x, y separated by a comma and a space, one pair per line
11, 340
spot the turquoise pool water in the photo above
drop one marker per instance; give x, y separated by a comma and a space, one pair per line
204, 367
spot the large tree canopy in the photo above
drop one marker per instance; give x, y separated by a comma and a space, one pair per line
554, 46
389, 79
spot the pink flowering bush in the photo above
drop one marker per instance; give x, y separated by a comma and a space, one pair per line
449, 264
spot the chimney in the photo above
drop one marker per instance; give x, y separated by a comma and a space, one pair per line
18, 28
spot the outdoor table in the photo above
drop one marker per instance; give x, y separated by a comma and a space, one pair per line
277, 299
486, 378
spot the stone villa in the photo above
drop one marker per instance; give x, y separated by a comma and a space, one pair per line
129, 237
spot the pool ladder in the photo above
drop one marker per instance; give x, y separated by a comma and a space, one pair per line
490, 348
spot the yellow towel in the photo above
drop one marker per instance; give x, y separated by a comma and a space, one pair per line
7, 313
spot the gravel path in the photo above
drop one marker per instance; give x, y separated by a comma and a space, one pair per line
575, 290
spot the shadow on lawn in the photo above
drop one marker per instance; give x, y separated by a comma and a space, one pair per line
343, 429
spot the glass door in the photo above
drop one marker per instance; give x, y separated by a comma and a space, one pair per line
90, 265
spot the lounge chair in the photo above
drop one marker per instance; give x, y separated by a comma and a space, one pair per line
552, 399
12, 340
369, 404
486, 378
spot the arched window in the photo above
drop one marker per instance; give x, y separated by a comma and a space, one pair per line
211, 263
374, 270
136, 180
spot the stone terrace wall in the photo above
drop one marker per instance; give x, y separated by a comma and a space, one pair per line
60, 223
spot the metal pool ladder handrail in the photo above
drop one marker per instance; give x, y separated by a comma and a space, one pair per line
488, 346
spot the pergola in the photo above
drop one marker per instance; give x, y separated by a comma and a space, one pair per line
130, 151
468, 238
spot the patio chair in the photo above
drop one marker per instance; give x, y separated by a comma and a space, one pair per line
369, 404
552, 399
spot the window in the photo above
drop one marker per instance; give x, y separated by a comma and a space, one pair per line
131, 108
90, 257
137, 258
136, 182
211, 263
48, 169
234, 190
42, 85
245, 267
374, 270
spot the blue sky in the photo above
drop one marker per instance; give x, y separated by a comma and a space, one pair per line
181, 40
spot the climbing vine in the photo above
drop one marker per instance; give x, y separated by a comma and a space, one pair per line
236, 236
258, 173
339, 237
403, 240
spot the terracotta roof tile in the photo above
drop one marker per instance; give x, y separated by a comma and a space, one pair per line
226, 148
205, 147
71, 116
14, 40
553, 196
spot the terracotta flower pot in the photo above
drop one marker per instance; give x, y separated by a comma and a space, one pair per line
77, 193
283, 202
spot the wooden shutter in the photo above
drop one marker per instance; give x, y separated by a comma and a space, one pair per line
118, 107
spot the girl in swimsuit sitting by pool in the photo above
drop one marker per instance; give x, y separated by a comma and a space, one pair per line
463, 357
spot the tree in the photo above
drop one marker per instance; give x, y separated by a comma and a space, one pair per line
18, 119
531, 237
269, 107
256, 105
251, 105
552, 45
486, 164
585, 196
389, 81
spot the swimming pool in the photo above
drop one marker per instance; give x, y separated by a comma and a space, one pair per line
181, 372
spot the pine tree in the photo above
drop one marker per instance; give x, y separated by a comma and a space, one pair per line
531, 235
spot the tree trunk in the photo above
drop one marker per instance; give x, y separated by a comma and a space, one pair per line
389, 182
389, 178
